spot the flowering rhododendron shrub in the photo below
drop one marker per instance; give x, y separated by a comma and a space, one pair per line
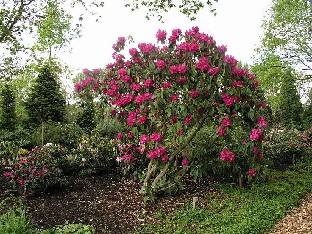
165, 94
36, 171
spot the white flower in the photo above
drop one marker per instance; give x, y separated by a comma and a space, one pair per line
83, 159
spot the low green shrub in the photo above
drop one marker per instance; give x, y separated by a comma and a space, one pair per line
70, 228
66, 134
13, 218
284, 146
94, 154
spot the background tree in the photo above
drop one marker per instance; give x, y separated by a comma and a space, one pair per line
287, 31
8, 110
290, 105
86, 116
269, 70
46, 101
307, 113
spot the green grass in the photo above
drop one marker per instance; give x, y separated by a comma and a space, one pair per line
237, 211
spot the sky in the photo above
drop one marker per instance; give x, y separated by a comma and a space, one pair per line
237, 26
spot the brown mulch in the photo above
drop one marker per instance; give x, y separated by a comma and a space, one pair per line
110, 203
297, 220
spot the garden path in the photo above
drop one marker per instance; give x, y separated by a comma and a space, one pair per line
298, 220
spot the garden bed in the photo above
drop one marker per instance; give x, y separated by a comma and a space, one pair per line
110, 203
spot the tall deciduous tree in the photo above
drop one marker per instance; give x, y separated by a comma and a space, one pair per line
287, 31
270, 71
46, 101
290, 105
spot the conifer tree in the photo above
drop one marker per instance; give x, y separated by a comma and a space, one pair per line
290, 105
46, 101
8, 108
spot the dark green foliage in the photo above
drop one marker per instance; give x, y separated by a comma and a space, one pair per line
290, 105
86, 116
307, 113
8, 110
66, 134
46, 102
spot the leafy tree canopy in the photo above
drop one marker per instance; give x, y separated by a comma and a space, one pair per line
287, 32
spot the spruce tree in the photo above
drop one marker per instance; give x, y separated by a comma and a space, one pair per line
46, 101
290, 105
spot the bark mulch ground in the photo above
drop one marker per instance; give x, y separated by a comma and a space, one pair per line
111, 203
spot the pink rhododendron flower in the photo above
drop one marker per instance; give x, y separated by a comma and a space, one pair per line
230, 60
174, 97
225, 122
141, 119
143, 97
222, 49
161, 35
146, 48
256, 134
261, 122
166, 85
252, 172
184, 162
188, 120
130, 135
144, 139
180, 132
119, 136
236, 71
221, 131
173, 119
203, 64
135, 87
256, 84
121, 40
133, 52
156, 137
148, 83
262, 105
126, 78
161, 150
181, 80
40, 174
213, 71
227, 155
131, 118
127, 157
165, 158
228, 101
85, 71
153, 155
256, 150
194, 93
122, 72
237, 83
161, 64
